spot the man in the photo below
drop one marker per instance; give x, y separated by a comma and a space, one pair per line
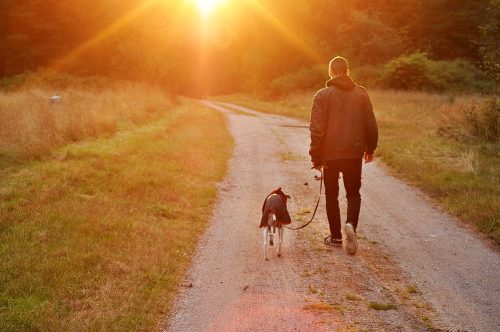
343, 131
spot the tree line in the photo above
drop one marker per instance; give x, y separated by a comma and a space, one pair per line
242, 46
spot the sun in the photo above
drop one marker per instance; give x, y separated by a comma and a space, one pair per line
207, 7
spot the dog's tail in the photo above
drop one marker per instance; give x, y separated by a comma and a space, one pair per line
271, 220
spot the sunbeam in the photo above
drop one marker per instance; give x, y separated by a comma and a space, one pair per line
291, 36
67, 59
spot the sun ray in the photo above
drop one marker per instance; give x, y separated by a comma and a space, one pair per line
291, 36
67, 59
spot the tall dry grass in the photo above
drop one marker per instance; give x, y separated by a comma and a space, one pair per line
471, 118
30, 124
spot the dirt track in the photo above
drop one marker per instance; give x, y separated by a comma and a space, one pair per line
437, 274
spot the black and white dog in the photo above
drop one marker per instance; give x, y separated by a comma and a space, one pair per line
274, 216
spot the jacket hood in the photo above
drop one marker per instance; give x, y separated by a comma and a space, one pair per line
343, 82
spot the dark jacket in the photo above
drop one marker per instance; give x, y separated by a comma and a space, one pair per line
342, 123
275, 202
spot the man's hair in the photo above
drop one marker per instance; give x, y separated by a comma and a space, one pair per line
339, 66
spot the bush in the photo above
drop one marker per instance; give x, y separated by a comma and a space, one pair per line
458, 75
409, 72
368, 76
304, 79
471, 119
418, 72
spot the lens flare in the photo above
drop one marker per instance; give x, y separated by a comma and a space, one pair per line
207, 7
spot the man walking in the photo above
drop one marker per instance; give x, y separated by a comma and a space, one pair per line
343, 132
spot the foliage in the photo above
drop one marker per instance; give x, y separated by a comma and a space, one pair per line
315, 77
368, 40
459, 75
409, 72
246, 46
490, 41
301, 80
368, 76
449, 29
418, 72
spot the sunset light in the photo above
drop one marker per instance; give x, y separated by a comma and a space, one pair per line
133, 132
207, 7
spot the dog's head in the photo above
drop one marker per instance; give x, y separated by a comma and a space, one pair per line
280, 192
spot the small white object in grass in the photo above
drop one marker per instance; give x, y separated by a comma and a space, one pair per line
55, 99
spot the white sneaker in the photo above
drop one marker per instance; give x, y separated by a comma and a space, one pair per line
351, 245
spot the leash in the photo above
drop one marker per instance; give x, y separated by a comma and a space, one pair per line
315, 208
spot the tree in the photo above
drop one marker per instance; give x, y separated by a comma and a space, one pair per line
490, 32
451, 29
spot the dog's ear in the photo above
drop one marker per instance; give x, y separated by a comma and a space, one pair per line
279, 191
276, 191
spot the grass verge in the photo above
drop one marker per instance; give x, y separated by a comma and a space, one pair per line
462, 175
97, 235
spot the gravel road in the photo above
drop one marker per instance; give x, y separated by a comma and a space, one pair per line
404, 240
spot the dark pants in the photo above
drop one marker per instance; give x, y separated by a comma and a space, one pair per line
351, 171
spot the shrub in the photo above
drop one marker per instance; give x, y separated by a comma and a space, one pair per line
368, 76
457, 75
417, 72
471, 118
301, 80
409, 72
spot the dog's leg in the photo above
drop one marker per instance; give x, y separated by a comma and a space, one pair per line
281, 231
271, 222
266, 234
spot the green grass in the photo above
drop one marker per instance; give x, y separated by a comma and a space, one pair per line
382, 306
462, 175
97, 235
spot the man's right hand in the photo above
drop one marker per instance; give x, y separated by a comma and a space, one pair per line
316, 165
368, 157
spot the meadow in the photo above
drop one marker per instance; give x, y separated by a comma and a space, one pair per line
102, 200
32, 124
447, 145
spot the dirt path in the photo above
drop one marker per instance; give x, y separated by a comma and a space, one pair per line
434, 274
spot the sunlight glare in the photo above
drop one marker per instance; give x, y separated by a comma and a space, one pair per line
207, 7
